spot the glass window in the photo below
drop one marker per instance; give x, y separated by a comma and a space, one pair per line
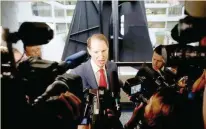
73, 2
171, 24
58, 12
155, 1
175, 10
61, 27
60, 1
156, 24
161, 1
41, 9
155, 11
160, 39
70, 12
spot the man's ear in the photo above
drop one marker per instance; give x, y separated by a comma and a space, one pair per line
89, 51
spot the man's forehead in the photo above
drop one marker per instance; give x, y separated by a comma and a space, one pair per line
96, 40
98, 49
98, 44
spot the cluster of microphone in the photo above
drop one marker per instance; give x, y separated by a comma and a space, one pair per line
97, 103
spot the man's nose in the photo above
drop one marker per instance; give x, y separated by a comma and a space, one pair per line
100, 53
156, 63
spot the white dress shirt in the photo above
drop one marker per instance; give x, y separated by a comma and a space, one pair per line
97, 73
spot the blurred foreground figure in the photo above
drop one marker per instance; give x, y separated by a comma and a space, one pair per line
161, 112
60, 106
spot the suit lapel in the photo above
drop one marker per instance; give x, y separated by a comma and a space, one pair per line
90, 77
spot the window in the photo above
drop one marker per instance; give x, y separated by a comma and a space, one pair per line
155, 11
161, 1
73, 2
175, 11
61, 27
66, 2
70, 12
171, 24
41, 9
58, 12
60, 1
156, 24
160, 39
155, 1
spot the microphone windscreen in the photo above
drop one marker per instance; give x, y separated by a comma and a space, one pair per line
77, 57
35, 33
72, 61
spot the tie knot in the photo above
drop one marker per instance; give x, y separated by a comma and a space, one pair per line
101, 70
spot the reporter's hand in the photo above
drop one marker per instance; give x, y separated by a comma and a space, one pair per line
137, 108
133, 120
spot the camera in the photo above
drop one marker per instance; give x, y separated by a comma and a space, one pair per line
133, 87
31, 33
33, 82
189, 29
142, 87
177, 54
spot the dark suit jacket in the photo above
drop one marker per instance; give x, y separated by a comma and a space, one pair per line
88, 78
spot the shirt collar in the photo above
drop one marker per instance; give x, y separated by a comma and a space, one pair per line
95, 67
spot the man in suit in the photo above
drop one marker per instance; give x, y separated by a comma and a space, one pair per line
97, 70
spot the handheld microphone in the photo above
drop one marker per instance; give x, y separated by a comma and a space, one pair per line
115, 89
76, 58
73, 61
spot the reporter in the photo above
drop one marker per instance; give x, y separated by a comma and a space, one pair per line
62, 108
158, 113
157, 69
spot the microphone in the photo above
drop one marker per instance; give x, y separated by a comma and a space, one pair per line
72, 61
32, 33
76, 58
115, 89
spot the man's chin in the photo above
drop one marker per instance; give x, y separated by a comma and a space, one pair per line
101, 65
